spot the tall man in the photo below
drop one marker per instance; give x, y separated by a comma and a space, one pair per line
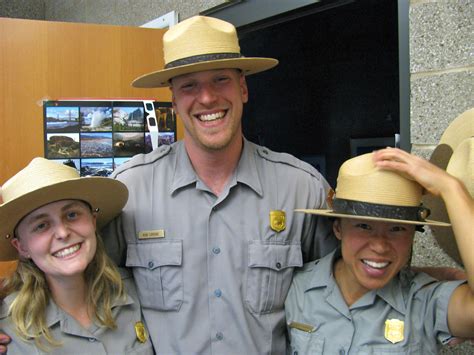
209, 229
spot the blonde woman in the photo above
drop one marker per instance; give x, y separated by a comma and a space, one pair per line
66, 296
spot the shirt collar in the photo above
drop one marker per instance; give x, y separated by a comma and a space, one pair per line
246, 172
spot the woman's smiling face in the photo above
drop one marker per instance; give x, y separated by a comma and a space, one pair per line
373, 252
59, 237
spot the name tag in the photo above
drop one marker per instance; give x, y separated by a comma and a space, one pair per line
158, 233
303, 327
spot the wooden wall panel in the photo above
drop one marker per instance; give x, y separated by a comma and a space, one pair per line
42, 60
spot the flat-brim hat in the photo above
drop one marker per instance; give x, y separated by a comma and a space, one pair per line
367, 192
201, 43
43, 181
455, 154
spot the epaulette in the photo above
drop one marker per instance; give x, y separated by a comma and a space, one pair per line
309, 266
288, 159
143, 159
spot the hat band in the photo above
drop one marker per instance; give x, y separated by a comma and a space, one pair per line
201, 58
367, 209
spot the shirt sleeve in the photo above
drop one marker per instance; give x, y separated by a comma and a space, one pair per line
437, 297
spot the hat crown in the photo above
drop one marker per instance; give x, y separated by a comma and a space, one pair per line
39, 173
199, 35
360, 180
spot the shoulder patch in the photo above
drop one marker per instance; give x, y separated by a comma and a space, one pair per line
288, 159
143, 159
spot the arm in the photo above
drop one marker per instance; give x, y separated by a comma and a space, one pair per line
460, 207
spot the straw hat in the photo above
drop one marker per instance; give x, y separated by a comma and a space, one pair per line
455, 154
369, 193
201, 43
44, 181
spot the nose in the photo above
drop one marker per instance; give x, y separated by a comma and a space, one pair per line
379, 243
61, 230
207, 93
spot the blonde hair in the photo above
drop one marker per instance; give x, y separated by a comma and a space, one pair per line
28, 310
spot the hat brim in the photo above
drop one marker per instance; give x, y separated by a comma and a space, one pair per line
461, 128
107, 195
161, 78
331, 213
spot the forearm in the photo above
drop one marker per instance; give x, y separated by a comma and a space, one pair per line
460, 208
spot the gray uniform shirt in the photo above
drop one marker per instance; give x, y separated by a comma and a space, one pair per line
78, 340
212, 274
417, 300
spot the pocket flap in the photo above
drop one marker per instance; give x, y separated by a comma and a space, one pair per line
275, 256
153, 255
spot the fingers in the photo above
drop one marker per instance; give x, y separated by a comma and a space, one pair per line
4, 340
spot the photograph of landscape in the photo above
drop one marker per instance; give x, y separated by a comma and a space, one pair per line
62, 145
95, 118
97, 167
96, 144
129, 119
64, 119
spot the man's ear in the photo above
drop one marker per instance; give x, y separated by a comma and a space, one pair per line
173, 101
21, 250
336, 227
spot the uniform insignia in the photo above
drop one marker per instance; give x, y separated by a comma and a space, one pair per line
303, 327
277, 220
159, 233
330, 198
394, 330
140, 331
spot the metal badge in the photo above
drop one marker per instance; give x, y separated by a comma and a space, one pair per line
140, 331
394, 330
277, 220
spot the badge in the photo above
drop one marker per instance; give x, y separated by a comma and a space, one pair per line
394, 330
141, 332
330, 198
303, 327
277, 220
158, 233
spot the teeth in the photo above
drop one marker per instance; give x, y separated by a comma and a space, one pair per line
212, 116
68, 251
375, 264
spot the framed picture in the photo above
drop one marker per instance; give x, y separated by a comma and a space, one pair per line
361, 146
96, 136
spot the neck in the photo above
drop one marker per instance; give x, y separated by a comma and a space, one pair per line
351, 291
215, 167
70, 294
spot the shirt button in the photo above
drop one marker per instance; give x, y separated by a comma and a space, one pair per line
219, 336
218, 293
92, 340
341, 352
216, 250
278, 265
151, 264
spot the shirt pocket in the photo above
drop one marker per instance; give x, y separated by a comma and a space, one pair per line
270, 269
157, 270
305, 343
